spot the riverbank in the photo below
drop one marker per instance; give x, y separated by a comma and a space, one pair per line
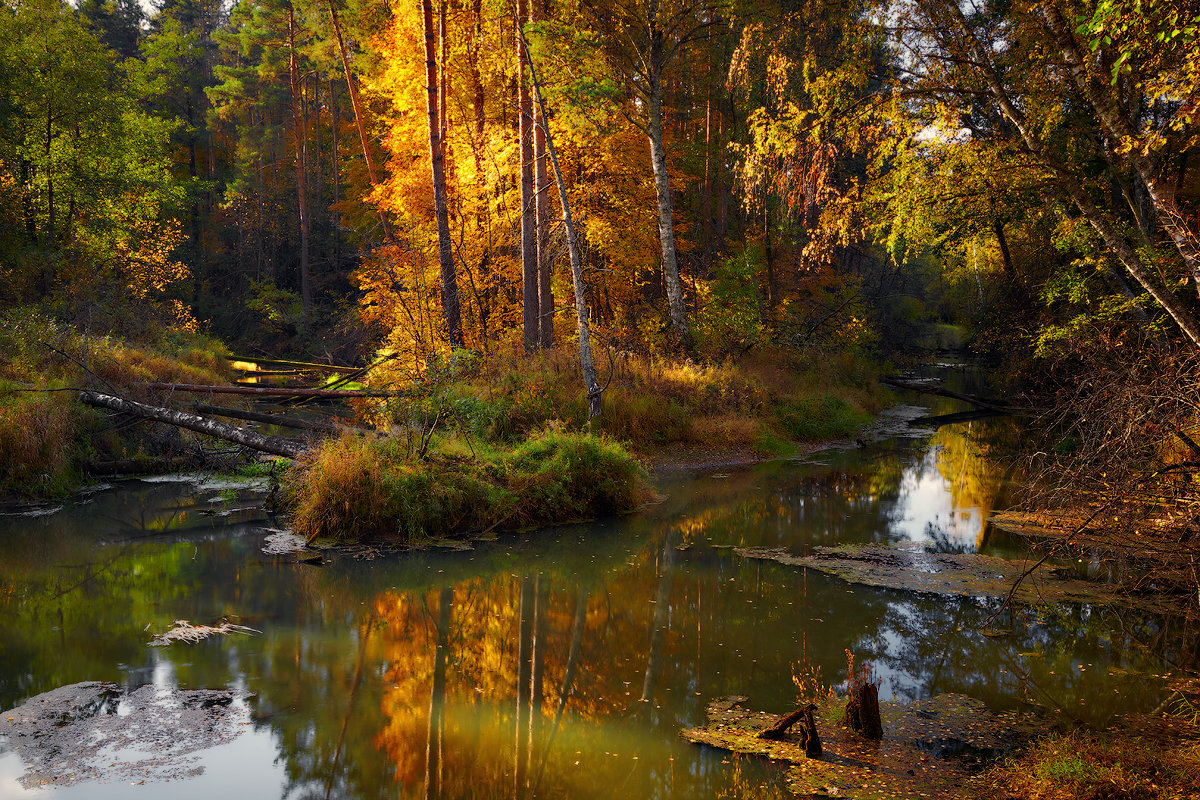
48, 439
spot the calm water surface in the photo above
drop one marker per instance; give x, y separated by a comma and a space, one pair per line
399, 676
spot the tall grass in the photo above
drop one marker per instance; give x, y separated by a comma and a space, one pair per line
37, 434
353, 489
760, 401
44, 434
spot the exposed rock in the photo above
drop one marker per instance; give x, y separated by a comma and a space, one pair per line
98, 731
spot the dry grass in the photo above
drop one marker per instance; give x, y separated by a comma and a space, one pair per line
759, 401
1146, 762
36, 437
41, 432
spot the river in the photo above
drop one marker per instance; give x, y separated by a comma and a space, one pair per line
380, 676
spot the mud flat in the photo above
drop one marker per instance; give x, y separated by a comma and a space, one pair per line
930, 748
914, 569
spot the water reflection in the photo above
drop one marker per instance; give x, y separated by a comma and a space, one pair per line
558, 665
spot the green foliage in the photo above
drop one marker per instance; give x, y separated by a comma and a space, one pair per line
352, 489
770, 444
277, 308
731, 320
826, 416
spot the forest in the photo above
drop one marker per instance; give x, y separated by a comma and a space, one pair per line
540, 251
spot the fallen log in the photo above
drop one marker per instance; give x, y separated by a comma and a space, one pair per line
289, 448
928, 388
280, 420
303, 365
264, 391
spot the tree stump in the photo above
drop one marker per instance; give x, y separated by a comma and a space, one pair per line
862, 710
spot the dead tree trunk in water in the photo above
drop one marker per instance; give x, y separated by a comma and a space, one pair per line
862, 707
779, 731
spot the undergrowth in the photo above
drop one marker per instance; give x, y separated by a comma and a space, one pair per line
45, 432
1158, 763
351, 489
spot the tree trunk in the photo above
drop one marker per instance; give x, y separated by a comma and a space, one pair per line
1002, 240
210, 427
666, 228
301, 171
862, 710
581, 312
358, 116
529, 253
706, 200
542, 203
1158, 187
450, 307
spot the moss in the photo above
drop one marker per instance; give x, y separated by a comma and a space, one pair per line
352, 489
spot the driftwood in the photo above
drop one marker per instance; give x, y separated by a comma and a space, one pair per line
927, 388
274, 445
184, 631
779, 731
263, 391
280, 420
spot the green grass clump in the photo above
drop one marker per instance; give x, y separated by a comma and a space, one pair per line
1155, 763
825, 416
351, 489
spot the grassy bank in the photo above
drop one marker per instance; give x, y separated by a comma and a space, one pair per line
761, 405
46, 435
351, 489
1141, 759
482, 443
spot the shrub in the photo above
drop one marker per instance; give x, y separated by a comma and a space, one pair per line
825, 416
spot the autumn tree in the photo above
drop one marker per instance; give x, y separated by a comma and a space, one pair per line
643, 40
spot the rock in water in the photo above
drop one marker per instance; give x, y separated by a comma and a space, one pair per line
74, 733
